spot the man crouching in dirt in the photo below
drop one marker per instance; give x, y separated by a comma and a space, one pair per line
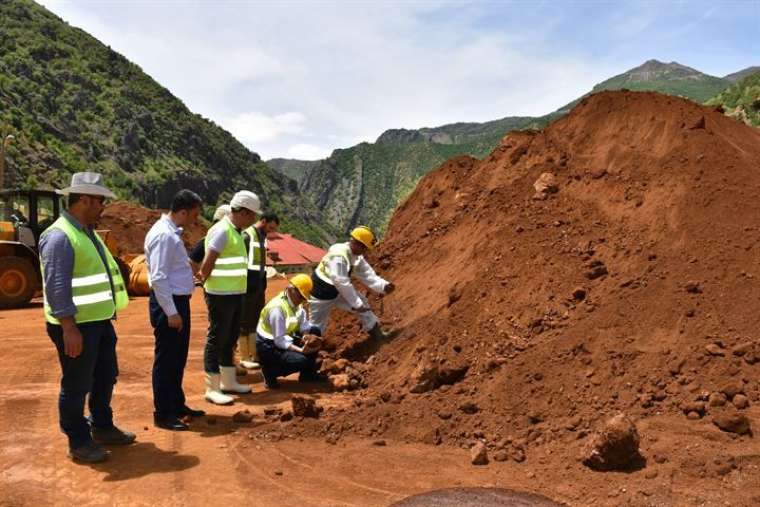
279, 345
332, 283
83, 291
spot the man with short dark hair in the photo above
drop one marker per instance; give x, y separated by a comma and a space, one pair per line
255, 239
171, 280
83, 290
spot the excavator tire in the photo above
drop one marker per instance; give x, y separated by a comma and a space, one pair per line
18, 281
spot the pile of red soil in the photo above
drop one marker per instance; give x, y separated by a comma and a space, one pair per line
528, 317
130, 222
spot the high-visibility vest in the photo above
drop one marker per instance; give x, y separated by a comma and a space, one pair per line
229, 275
282, 302
342, 250
256, 255
93, 294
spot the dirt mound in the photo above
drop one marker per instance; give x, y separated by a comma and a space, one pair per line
632, 286
130, 222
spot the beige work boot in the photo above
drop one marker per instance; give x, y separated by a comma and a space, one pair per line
214, 392
229, 381
247, 348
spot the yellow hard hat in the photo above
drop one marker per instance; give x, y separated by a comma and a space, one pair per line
303, 283
364, 235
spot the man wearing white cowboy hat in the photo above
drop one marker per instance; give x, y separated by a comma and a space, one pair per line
224, 275
83, 290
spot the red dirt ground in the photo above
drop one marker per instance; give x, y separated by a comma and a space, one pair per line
216, 463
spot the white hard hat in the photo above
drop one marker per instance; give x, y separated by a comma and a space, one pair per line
221, 212
246, 199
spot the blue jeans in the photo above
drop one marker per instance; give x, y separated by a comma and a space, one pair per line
170, 357
94, 371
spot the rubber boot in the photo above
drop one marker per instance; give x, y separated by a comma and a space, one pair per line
248, 352
229, 382
214, 393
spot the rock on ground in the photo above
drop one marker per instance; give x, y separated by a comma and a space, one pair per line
614, 447
479, 454
732, 421
304, 406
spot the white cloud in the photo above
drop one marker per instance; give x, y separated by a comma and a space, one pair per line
349, 70
254, 127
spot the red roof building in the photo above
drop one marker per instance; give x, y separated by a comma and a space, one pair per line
287, 254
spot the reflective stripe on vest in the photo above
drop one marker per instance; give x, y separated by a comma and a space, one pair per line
92, 294
282, 302
255, 253
229, 274
342, 250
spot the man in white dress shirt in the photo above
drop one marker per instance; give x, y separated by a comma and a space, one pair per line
171, 280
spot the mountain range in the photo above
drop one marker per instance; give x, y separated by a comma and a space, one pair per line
363, 184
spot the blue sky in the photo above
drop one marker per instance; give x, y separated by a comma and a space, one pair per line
299, 79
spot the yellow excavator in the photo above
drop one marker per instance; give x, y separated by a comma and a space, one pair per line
24, 214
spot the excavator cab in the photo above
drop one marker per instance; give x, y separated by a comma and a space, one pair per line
24, 215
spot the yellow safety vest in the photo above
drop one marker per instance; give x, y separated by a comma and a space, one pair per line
229, 276
337, 250
282, 302
92, 293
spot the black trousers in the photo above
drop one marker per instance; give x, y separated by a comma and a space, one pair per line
253, 302
276, 362
170, 357
223, 331
92, 372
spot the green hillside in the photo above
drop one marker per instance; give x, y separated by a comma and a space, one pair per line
74, 104
742, 100
669, 78
364, 184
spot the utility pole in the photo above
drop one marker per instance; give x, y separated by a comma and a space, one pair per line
7, 140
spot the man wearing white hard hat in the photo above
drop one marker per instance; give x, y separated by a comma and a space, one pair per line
224, 275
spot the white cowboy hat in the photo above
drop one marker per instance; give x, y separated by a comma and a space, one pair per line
87, 183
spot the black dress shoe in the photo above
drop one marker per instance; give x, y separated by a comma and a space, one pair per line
171, 424
185, 410
112, 436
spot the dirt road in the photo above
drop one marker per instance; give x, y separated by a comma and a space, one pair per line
230, 464
213, 462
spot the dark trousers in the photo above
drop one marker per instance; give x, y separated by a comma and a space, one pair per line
94, 371
170, 357
276, 362
253, 302
223, 331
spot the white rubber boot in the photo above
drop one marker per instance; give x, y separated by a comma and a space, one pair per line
214, 392
229, 381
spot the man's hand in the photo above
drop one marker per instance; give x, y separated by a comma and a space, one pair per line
312, 343
72, 338
389, 288
175, 322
